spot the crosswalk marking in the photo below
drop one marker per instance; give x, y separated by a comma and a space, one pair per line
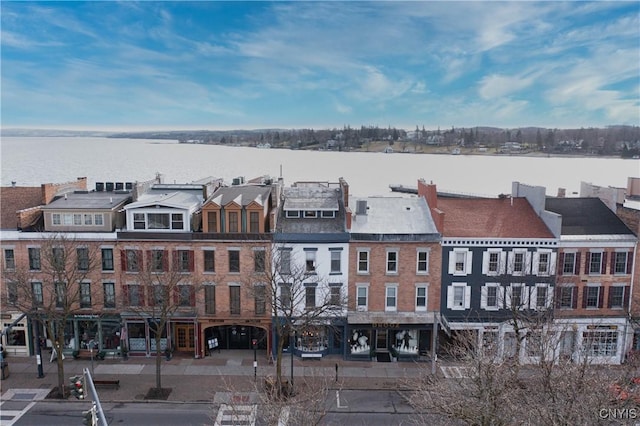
28, 396
237, 415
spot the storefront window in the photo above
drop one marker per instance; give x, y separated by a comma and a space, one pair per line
110, 334
16, 338
153, 327
406, 342
88, 332
312, 340
137, 337
360, 343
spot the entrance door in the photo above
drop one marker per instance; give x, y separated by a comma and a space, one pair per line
381, 339
185, 337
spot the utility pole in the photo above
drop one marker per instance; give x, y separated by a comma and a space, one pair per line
101, 419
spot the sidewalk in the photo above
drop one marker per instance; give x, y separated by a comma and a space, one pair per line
198, 380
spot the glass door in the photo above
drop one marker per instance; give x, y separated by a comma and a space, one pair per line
381, 339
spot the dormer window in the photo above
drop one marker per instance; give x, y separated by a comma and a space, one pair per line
310, 214
328, 214
158, 221
292, 213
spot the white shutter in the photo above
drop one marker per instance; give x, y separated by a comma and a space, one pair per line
510, 263
450, 297
483, 297
468, 263
485, 263
500, 297
552, 263
526, 293
503, 262
527, 264
452, 262
535, 263
467, 297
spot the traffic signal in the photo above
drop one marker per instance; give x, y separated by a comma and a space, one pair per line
77, 386
89, 417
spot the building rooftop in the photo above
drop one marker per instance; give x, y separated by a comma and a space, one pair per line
14, 198
391, 215
586, 216
85, 200
311, 198
491, 217
242, 195
172, 199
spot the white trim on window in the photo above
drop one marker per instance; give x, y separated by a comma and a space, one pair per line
533, 300
422, 263
526, 262
486, 261
464, 301
422, 288
466, 257
484, 297
551, 263
524, 296
391, 294
367, 261
362, 307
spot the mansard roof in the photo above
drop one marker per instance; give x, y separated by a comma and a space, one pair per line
491, 217
586, 216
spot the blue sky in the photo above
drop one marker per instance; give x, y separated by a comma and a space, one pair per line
230, 65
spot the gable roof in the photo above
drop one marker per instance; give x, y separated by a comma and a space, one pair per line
241, 195
492, 218
586, 216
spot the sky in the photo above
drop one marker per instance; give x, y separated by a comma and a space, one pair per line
149, 65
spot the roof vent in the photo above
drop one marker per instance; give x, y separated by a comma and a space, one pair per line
361, 207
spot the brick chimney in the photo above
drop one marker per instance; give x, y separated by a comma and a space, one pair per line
348, 218
345, 191
430, 193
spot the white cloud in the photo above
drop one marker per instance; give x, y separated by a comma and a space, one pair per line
496, 86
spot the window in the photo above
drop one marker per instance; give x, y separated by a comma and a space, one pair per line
9, 259
422, 266
107, 259
592, 297
157, 295
109, 295
177, 221
362, 297
310, 262
184, 260
34, 258
212, 221
543, 263
233, 222
621, 263
234, 300
421, 298
210, 299
391, 298
259, 260
260, 299
618, 297
285, 261
494, 262
328, 214
12, 292
491, 294
209, 260
458, 296
186, 295
541, 296
517, 297
336, 264
132, 260
567, 297
285, 296
57, 258
595, 263
460, 261
392, 262
88, 219
310, 213
82, 254
77, 220
157, 220
363, 262
67, 219
569, 263
518, 263
36, 290
600, 343
158, 260
61, 294
335, 294
55, 219
310, 296
254, 222
134, 294
292, 213
97, 219
234, 260
85, 295
139, 221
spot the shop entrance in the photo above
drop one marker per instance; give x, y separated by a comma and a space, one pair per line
236, 336
381, 340
185, 337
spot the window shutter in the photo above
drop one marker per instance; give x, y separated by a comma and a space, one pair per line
609, 297
123, 259
467, 297
552, 263
586, 263
150, 260
503, 262
601, 297
584, 297
483, 297
629, 262
574, 298
469, 261
557, 296
627, 292
576, 265
510, 261
140, 260
165, 260
176, 295
561, 268
450, 297
603, 265
527, 262
125, 295
141, 287
174, 260
192, 296
191, 261
452, 262
485, 262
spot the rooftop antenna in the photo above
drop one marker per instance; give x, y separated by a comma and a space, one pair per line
280, 170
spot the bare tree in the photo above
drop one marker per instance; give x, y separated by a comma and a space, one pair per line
55, 287
163, 289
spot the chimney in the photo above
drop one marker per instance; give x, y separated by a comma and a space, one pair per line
13, 183
345, 191
349, 217
562, 192
429, 192
438, 218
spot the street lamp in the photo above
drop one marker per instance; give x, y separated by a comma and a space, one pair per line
35, 324
254, 343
